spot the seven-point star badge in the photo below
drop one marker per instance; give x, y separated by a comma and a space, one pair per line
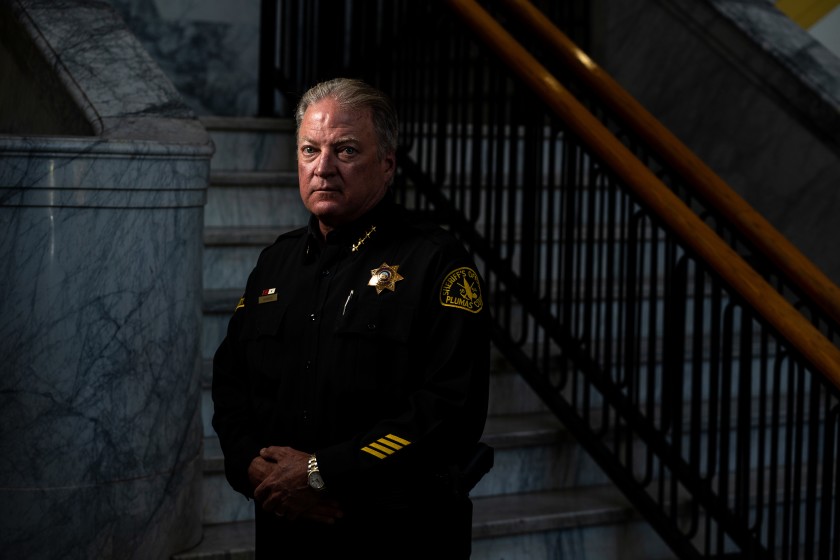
384, 277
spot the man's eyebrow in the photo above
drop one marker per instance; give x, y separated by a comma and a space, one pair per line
346, 140
341, 140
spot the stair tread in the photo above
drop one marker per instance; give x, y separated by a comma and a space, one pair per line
494, 516
254, 178
223, 541
516, 430
262, 124
509, 514
220, 301
242, 235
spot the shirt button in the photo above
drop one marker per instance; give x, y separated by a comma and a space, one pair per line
371, 327
312, 317
325, 273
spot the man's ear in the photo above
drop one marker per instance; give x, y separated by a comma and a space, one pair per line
389, 166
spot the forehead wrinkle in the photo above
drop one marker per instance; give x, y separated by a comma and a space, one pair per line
346, 139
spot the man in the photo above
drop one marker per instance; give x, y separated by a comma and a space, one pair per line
353, 379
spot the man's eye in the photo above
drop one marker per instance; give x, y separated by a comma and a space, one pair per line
349, 150
307, 150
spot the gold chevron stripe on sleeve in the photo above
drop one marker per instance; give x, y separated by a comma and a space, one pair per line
373, 452
385, 446
382, 448
398, 439
389, 443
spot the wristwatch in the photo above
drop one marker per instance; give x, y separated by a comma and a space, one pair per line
314, 475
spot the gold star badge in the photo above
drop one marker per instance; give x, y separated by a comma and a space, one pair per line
384, 277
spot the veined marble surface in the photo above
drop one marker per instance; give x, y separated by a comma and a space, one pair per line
116, 84
815, 91
101, 233
751, 93
209, 49
99, 439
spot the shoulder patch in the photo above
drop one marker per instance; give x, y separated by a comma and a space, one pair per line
461, 289
240, 304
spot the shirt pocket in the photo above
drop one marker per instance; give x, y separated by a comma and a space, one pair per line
262, 340
375, 346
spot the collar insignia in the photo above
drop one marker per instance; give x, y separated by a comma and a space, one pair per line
362, 239
384, 277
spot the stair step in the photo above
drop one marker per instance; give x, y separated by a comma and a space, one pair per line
218, 123
230, 253
494, 518
221, 301
254, 198
242, 178
251, 143
586, 523
223, 541
259, 237
520, 430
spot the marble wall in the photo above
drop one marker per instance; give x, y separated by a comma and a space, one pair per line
101, 219
208, 48
749, 91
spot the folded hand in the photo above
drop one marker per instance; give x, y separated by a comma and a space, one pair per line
280, 486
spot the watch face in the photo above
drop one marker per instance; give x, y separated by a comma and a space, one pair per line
315, 480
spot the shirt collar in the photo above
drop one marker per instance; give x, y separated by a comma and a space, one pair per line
351, 233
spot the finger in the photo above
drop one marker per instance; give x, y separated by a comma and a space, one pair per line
273, 501
259, 490
268, 454
263, 491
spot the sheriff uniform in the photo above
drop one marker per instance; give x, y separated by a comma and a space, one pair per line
369, 349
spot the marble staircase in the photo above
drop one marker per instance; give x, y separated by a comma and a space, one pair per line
544, 498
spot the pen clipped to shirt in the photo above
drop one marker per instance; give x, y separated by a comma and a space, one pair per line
350, 295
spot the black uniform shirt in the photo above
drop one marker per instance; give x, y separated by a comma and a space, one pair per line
370, 349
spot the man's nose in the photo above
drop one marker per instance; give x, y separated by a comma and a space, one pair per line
324, 164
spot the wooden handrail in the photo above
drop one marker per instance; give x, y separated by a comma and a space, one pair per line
693, 231
712, 189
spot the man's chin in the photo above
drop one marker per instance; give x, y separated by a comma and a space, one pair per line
325, 207
329, 216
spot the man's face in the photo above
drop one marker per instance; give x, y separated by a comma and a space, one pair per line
339, 173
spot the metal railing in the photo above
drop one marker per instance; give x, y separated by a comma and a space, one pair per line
638, 310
